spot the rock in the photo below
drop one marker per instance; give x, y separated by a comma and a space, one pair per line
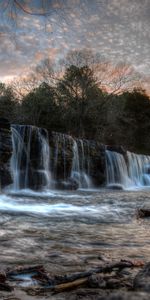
116, 148
143, 212
115, 187
96, 281
71, 184
113, 283
91, 154
5, 152
2, 277
142, 279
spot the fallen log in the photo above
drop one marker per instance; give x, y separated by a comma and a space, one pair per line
102, 269
69, 285
75, 280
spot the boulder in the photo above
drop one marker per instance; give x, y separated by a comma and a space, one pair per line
143, 212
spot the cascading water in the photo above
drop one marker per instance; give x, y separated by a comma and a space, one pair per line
30, 162
138, 169
61, 142
81, 164
61, 156
131, 171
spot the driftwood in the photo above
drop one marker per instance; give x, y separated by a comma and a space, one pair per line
77, 279
70, 285
61, 283
102, 269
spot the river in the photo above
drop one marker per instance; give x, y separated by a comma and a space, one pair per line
69, 231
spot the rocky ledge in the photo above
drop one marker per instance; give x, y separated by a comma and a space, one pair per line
5, 152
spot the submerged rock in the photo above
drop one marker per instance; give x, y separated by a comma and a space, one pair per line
71, 184
115, 187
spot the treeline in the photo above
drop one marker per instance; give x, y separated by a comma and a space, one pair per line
74, 100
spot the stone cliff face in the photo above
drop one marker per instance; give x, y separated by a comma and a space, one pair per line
5, 153
70, 155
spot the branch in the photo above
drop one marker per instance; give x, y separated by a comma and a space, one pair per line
44, 14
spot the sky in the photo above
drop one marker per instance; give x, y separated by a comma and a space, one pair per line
117, 29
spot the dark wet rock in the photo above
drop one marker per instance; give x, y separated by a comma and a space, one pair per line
61, 146
142, 279
96, 281
5, 152
114, 283
143, 212
62, 157
116, 148
2, 277
115, 187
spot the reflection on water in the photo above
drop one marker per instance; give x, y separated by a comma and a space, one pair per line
69, 231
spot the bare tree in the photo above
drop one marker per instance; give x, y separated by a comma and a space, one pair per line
112, 78
42, 8
118, 78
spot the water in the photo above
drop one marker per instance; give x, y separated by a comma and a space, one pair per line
30, 162
131, 171
81, 164
70, 231
60, 163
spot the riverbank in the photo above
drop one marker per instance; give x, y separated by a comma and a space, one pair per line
117, 280
69, 232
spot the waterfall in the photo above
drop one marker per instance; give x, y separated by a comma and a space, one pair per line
62, 145
129, 171
30, 162
139, 167
61, 141
81, 163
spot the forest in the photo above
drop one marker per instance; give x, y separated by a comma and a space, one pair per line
82, 96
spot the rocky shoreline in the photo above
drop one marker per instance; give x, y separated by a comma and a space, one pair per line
111, 280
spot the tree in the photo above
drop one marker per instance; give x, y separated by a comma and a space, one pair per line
137, 110
79, 98
40, 108
8, 104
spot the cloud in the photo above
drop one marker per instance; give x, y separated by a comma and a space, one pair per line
118, 29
